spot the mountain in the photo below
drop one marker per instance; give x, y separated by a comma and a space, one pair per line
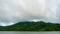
32, 26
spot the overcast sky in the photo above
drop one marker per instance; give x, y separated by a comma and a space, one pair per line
13, 11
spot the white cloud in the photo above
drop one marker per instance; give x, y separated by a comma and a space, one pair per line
25, 10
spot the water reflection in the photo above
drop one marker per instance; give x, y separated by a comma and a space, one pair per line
7, 32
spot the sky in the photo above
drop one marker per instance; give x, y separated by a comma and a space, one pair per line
14, 11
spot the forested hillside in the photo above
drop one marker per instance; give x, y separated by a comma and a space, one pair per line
32, 26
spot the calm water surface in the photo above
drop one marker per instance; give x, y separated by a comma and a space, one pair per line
10, 32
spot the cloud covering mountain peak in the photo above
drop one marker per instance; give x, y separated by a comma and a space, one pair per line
13, 11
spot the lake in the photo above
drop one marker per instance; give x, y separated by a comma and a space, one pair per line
17, 32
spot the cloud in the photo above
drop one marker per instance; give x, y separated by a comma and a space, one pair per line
13, 11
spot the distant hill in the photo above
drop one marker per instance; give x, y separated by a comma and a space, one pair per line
32, 26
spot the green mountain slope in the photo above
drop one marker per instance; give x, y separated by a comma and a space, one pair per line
32, 26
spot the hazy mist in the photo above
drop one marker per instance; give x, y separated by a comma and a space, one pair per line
13, 11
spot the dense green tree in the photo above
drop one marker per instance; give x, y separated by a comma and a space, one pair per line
32, 26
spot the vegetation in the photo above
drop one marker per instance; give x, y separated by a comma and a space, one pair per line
32, 26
